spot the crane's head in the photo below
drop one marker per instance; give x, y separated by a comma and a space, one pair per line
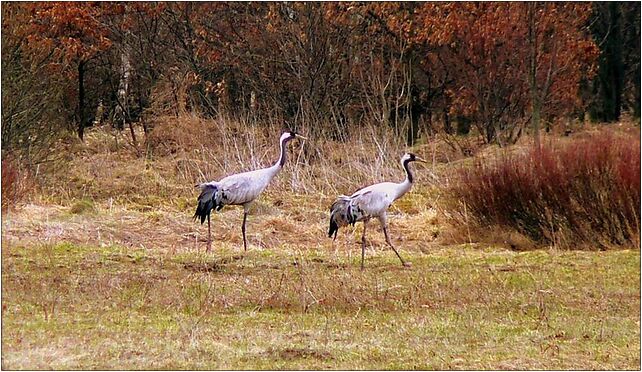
408, 157
290, 135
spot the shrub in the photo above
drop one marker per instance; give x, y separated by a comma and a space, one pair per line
34, 117
584, 191
14, 182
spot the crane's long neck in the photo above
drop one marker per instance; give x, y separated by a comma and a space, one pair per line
406, 167
282, 157
405, 186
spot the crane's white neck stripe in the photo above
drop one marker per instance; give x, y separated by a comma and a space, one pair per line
283, 155
409, 175
283, 152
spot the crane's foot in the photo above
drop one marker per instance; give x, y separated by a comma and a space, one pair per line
406, 264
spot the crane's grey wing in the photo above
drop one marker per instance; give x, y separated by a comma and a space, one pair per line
369, 203
357, 208
237, 190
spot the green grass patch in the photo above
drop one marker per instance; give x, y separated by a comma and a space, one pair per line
70, 306
82, 206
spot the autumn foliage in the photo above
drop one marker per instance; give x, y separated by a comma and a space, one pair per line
490, 46
421, 68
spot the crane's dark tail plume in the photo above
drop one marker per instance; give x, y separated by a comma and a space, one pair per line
208, 199
339, 215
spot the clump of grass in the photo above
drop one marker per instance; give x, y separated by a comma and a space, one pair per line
587, 190
82, 206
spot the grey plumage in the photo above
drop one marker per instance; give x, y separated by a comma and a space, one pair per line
238, 189
369, 202
339, 215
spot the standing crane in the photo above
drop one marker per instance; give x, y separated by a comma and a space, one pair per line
369, 202
238, 189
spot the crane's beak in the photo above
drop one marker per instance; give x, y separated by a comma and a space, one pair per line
300, 136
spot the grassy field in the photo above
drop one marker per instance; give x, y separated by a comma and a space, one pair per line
114, 286
103, 268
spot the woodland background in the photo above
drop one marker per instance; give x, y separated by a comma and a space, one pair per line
497, 69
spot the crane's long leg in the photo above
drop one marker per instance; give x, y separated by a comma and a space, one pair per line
334, 242
209, 235
385, 232
243, 230
363, 243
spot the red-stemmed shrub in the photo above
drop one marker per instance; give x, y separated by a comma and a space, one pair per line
14, 182
569, 194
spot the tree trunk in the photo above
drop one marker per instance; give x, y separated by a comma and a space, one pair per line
532, 74
142, 117
636, 84
81, 100
632, 61
416, 110
614, 53
609, 83
123, 92
413, 130
447, 126
535, 120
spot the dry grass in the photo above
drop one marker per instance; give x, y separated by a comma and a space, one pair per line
105, 269
302, 306
186, 150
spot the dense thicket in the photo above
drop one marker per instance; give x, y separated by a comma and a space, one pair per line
496, 68
586, 190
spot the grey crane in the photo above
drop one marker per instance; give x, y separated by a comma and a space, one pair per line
238, 189
369, 202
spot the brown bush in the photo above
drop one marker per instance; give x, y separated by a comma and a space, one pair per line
585, 191
15, 182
